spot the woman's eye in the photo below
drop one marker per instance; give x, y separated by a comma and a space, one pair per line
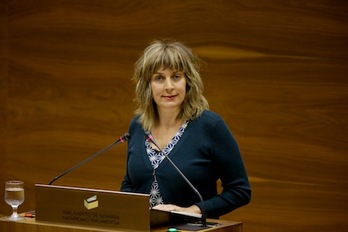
176, 76
158, 78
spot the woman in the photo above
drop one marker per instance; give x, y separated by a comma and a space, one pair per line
172, 108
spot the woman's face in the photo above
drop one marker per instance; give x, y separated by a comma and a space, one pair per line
168, 88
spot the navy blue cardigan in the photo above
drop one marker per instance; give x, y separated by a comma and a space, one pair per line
206, 152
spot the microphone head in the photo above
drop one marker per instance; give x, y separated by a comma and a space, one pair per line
151, 139
149, 136
125, 137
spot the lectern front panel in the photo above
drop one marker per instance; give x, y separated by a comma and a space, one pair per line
92, 207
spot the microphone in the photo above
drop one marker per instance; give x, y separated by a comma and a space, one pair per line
122, 139
204, 216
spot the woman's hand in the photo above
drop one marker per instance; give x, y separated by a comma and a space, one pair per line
170, 207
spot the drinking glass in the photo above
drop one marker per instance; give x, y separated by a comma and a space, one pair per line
14, 196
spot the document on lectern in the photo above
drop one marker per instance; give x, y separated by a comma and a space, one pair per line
161, 217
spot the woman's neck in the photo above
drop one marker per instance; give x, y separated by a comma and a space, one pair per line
168, 118
167, 127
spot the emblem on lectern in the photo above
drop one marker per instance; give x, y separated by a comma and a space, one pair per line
91, 203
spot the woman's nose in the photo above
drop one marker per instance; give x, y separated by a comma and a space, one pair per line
168, 84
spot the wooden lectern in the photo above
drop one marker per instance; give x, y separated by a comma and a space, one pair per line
73, 209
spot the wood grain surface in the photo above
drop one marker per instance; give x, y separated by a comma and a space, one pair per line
276, 71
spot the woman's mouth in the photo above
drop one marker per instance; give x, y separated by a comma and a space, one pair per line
169, 97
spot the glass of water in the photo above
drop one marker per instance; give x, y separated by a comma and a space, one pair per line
14, 196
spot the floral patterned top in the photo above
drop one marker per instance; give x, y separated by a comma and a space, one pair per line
156, 157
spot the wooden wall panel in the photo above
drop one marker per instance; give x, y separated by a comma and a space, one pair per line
276, 71
3, 97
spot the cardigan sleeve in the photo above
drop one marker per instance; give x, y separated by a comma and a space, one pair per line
226, 156
126, 185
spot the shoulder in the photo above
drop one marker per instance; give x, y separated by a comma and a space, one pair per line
208, 121
135, 129
209, 117
213, 125
134, 123
135, 120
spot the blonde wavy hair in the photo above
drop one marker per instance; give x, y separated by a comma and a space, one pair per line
172, 55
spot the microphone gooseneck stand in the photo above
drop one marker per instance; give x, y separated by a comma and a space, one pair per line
122, 139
